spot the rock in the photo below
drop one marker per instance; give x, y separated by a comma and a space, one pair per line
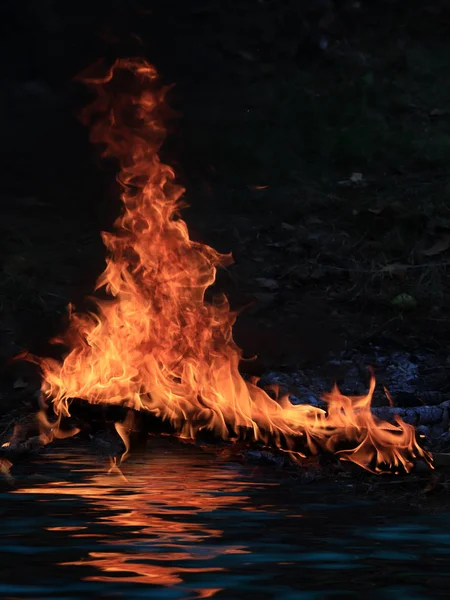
268, 284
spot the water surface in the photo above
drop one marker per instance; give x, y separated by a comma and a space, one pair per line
181, 524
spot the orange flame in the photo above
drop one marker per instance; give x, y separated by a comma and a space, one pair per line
157, 344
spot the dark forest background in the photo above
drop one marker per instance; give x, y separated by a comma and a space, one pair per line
314, 142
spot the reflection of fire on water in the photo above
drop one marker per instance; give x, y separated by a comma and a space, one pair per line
156, 343
152, 527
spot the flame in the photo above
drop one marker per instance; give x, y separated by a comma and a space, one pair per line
156, 343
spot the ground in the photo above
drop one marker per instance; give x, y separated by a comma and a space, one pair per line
314, 144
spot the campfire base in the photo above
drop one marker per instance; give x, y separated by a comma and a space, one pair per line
98, 423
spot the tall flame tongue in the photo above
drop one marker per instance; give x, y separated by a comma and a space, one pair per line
156, 344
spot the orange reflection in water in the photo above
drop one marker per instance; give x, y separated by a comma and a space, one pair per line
112, 562
154, 518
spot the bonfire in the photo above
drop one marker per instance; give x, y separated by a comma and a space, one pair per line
155, 343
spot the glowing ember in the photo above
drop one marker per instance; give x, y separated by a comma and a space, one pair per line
156, 344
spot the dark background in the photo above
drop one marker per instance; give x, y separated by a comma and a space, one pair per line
314, 142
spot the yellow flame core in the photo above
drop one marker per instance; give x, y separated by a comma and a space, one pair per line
156, 344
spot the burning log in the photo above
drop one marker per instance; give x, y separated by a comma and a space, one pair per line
133, 427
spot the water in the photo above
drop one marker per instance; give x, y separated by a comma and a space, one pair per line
185, 525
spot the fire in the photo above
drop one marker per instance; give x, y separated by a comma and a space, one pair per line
156, 344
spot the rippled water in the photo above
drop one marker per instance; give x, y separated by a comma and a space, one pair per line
184, 525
